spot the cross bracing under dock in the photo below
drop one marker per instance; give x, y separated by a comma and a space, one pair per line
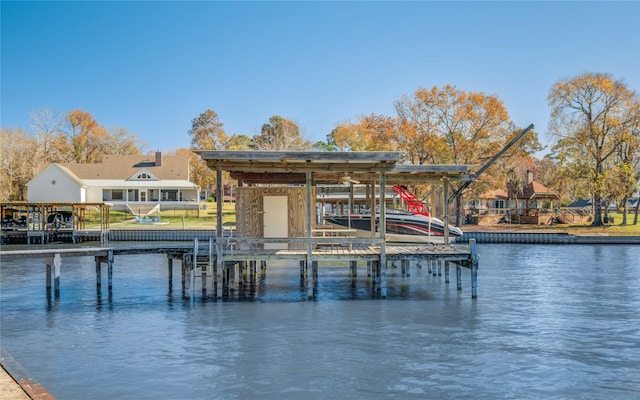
221, 274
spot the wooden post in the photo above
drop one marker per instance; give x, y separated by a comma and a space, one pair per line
311, 276
170, 271
49, 273
445, 203
185, 259
98, 273
446, 272
211, 265
110, 270
57, 262
383, 234
192, 278
458, 277
219, 260
353, 266
474, 268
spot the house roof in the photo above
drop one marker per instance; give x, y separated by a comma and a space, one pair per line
494, 194
535, 190
122, 167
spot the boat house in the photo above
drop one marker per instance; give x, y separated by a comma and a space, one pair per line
276, 205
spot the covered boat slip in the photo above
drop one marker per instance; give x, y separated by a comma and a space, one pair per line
276, 208
45, 222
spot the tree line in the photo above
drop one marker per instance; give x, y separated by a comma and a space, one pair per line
595, 125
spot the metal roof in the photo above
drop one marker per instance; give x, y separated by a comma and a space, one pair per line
119, 183
290, 167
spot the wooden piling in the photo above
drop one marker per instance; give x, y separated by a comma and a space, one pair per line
446, 272
170, 271
474, 268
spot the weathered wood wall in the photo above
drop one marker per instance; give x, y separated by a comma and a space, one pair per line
250, 210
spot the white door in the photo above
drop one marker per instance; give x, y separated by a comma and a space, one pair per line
275, 220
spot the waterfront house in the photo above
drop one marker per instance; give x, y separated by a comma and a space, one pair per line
140, 184
532, 204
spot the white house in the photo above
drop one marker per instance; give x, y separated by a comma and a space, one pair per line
137, 183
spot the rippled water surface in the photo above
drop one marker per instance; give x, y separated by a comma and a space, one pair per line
550, 321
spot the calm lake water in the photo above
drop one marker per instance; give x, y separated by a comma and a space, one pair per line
550, 322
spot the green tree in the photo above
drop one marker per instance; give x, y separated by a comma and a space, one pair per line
239, 142
590, 114
280, 134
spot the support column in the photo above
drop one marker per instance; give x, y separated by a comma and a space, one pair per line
49, 273
445, 203
474, 268
57, 262
219, 259
353, 266
192, 279
170, 272
446, 272
383, 234
98, 273
458, 277
110, 270
185, 260
311, 276
303, 265
211, 265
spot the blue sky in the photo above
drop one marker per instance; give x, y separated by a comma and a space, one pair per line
152, 67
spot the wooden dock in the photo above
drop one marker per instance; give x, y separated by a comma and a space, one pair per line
217, 266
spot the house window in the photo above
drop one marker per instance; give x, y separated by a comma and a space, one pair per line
153, 194
499, 204
132, 195
169, 195
117, 194
143, 176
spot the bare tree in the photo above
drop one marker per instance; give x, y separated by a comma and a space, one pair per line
590, 115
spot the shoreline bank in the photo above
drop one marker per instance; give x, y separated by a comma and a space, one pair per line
532, 237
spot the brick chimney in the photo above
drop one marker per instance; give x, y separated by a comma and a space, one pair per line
158, 159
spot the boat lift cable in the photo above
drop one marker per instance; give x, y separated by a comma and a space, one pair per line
490, 162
